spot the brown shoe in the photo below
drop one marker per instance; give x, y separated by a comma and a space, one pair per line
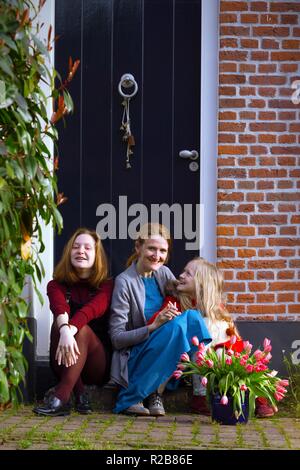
200, 406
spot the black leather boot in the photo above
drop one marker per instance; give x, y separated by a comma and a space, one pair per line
82, 404
53, 407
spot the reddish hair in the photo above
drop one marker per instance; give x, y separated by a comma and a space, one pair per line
65, 271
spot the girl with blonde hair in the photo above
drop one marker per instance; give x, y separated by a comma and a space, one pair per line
201, 285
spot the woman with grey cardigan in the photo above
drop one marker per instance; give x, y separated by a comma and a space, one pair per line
145, 356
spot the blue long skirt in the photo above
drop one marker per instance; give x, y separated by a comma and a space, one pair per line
154, 360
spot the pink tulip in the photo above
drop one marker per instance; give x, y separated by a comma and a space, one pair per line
280, 389
224, 400
199, 356
243, 387
278, 396
249, 368
228, 361
185, 357
195, 341
229, 352
204, 381
267, 343
177, 374
237, 354
243, 361
258, 354
245, 356
283, 383
247, 346
209, 362
181, 366
201, 347
267, 358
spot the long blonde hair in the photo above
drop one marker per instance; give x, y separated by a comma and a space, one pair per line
65, 271
209, 298
146, 232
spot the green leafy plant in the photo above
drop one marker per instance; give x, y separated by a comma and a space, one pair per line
28, 183
292, 401
231, 370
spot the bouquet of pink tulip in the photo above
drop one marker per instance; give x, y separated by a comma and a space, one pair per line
231, 370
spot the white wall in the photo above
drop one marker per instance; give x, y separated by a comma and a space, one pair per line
42, 312
209, 122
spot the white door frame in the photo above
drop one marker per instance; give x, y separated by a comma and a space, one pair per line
208, 160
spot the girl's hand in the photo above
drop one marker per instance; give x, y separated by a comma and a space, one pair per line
67, 350
167, 314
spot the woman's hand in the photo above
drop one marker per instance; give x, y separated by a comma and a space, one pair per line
67, 350
167, 314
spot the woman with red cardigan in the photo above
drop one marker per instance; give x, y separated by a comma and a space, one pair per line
79, 296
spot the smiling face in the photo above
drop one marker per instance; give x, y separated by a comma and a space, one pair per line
83, 254
152, 254
187, 284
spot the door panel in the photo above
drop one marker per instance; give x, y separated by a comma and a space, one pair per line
158, 41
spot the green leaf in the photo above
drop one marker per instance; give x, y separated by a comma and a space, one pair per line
4, 390
6, 66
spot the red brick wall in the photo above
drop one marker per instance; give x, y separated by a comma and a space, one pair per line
259, 156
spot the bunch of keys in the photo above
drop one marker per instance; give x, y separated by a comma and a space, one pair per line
127, 137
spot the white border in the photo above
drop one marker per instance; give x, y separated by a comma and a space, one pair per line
208, 161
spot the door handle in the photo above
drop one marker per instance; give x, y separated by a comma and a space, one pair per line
189, 154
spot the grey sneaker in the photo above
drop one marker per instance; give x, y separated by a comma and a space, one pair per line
137, 410
155, 405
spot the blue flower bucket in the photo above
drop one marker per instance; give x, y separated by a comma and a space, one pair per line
224, 414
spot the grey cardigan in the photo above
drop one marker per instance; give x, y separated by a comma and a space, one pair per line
127, 325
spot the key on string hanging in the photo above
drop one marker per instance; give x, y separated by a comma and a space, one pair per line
127, 137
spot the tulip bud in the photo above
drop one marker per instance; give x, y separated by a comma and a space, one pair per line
267, 343
177, 374
228, 361
201, 347
195, 341
243, 387
283, 383
181, 366
204, 381
224, 400
209, 362
185, 357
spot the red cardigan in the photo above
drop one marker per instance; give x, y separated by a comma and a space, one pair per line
94, 307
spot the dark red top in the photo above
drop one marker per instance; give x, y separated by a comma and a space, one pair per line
167, 299
94, 307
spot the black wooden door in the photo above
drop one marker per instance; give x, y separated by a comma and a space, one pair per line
158, 41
